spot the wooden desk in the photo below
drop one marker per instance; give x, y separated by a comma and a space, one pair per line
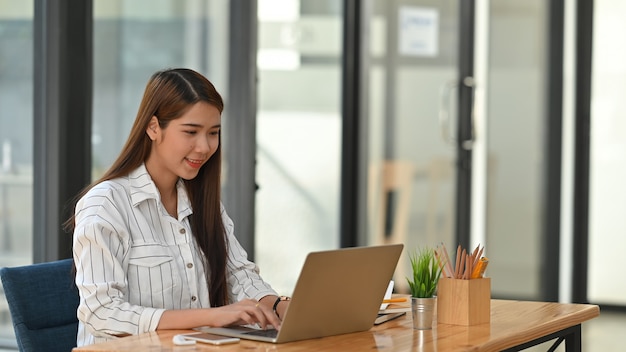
515, 325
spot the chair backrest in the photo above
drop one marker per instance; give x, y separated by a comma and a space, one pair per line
43, 300
391, 183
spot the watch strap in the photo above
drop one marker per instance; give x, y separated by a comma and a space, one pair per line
278, 300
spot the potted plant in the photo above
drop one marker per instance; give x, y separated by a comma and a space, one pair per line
426, 271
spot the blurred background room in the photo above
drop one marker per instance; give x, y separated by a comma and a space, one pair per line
353, 122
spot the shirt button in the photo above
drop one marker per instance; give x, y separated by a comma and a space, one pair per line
193, 298
190, 265
182, 231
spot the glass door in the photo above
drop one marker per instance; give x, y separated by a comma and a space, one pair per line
298, 135
132, 40
16, 145
516, 106
411, 70
456, 115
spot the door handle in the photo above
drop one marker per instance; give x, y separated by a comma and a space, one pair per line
471, 84
445, 106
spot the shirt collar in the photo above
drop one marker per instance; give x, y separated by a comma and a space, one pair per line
143, 188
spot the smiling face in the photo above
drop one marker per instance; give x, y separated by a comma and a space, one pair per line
181, 148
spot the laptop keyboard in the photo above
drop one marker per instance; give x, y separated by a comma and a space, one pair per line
265, 333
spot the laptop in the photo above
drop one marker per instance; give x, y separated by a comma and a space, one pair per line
338, 292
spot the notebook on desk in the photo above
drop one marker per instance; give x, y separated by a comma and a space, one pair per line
338, 292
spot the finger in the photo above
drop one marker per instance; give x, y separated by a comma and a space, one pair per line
245, 318
272, 318
275, 321
252, 312
261, 314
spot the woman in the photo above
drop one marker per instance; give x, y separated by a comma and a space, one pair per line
153, 246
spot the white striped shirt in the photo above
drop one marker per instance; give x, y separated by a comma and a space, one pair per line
134, 260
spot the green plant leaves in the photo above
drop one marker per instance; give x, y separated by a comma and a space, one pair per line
426, 273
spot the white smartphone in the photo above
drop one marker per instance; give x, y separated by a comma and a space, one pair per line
210, 338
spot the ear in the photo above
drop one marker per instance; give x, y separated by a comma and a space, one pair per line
153, 126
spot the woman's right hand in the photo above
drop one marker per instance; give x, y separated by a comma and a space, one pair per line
247, 311
244, 312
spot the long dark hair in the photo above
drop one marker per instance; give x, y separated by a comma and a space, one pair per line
168, 95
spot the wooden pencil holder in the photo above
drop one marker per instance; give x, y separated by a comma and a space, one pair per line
464, 302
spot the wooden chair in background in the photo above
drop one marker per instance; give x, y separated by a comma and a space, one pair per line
391, 183
391, 188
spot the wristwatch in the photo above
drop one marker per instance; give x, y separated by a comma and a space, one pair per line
278, 300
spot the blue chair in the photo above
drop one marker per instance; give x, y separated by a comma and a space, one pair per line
42, 300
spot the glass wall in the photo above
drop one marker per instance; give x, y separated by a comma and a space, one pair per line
411, 65
16, 143
516, 109
607, 190
298, 135
135, 38
411, 91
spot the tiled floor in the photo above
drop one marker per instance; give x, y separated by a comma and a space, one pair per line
602, 334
